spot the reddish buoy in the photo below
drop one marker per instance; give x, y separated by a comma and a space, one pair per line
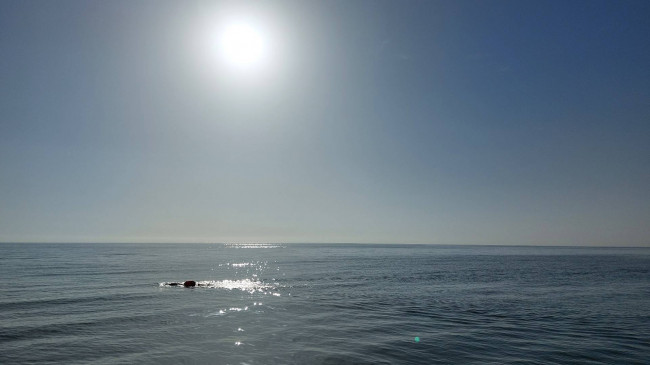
189, 283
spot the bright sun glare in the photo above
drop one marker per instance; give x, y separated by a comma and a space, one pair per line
243, 45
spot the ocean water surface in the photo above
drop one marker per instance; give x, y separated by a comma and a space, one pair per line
323, 304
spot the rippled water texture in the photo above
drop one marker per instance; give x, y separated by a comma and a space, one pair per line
323, 304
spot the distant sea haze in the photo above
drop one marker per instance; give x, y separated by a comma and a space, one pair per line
323, 304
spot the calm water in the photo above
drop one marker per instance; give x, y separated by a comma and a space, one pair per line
323, 304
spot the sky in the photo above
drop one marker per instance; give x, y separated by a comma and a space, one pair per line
443, 122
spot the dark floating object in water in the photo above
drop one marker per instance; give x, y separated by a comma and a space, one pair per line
187, 284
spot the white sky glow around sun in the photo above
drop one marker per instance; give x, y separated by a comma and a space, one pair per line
243, 45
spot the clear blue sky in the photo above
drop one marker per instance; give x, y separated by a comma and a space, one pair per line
453, 122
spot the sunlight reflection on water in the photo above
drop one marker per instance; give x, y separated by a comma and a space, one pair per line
247, 285
254, 245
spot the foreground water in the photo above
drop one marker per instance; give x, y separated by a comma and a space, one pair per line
323, 304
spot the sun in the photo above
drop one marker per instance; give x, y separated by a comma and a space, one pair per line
243, 45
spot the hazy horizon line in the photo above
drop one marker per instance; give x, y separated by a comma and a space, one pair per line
325, 243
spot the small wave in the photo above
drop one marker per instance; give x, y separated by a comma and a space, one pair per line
224, 311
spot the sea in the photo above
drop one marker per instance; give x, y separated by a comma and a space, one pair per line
262, 303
